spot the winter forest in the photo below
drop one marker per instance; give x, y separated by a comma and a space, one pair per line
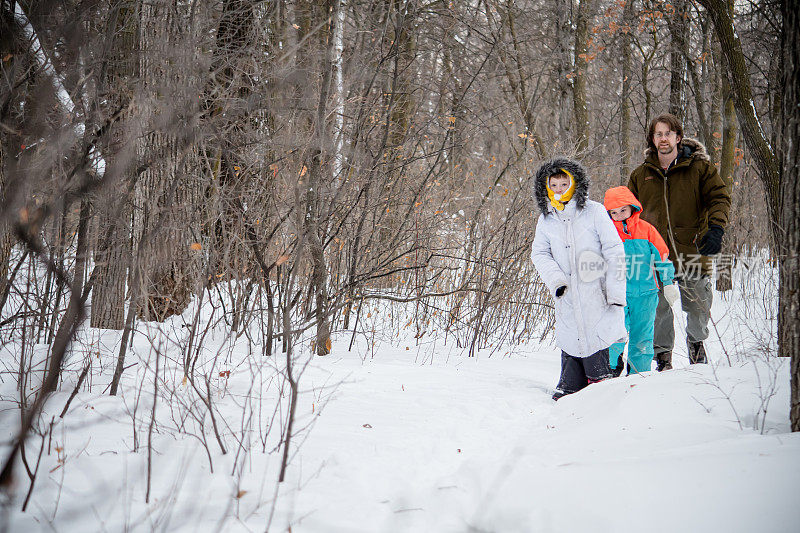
265, 265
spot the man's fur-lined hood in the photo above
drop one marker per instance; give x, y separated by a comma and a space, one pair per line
552, 167
688, 147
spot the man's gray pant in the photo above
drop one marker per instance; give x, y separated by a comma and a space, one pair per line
696, 297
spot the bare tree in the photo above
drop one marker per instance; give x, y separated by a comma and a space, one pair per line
741, 90
112, 257
789, 221
777, 170
679, 29
628, 26
586, 9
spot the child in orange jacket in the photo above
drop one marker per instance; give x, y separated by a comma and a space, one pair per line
646, 253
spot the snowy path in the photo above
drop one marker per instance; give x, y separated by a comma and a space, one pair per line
479, 445
431, 440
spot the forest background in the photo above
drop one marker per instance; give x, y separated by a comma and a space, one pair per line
289, 162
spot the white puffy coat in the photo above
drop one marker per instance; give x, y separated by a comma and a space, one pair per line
568, 249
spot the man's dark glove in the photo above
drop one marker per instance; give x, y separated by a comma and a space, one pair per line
711, 242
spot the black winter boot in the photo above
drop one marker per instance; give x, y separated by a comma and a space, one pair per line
664, 361
697, 352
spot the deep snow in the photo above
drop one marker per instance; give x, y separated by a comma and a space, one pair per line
408, 437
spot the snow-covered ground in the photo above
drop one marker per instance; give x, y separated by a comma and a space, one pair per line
418, 437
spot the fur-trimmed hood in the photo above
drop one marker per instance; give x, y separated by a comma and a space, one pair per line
688, 147
552, 167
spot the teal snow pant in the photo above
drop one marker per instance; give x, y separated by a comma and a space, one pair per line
640, 316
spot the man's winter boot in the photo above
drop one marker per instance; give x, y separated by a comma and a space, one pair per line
697, 352
664, 361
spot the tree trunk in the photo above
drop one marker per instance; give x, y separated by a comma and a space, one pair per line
338, 65
789, 220
111, 261
648, 94
781, 178
112, 257
169, 268
564, 65
228, 86
740, 91
454, 65
679, 30
726, 154
579, 99
6, 241
726, 169
628, 24
318, 18
716, 75
698, 86
738, 76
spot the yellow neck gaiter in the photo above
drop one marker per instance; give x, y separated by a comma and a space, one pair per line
559, 202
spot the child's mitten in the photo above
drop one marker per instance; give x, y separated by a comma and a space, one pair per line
671, 293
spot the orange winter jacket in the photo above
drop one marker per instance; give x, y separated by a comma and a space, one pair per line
645, 249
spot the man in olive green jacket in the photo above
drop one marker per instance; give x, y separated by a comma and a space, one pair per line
687, 201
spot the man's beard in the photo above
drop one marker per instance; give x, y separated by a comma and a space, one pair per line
665, 149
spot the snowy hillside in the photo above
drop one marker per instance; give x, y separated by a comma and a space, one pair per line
408, 436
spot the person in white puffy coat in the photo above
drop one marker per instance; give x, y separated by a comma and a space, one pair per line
581, 259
